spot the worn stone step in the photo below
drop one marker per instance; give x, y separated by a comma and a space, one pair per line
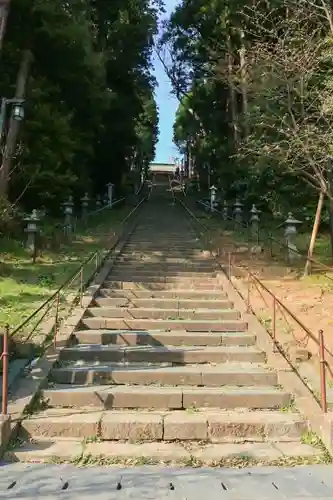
160, 303
237, 374
167, 261
224, 454
205, 295
139, 426
166, 397
177, 355
181, 281
165, 247
161, 324
239, 454
126, 272
163, 314
177, 338
161, 265
162, 285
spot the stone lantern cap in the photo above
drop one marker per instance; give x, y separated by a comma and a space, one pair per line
254, 210
32, 220
33, 217
85, 198
69, 205
69, 202
291, 221
213, 188
238, 204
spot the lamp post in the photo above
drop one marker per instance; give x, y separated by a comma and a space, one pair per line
18, 111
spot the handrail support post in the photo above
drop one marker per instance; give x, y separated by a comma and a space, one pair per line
5, 355
322, 371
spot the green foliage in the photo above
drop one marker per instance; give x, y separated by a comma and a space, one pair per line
254, 80
90, 107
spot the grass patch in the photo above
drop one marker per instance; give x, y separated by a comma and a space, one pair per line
24, 286
238, 462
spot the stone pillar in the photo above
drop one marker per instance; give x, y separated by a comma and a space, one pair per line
84, 206
225, 210
32, 230
98, 202
68, 212
213, 191
238, 216
290, 232
254, 220
110, 193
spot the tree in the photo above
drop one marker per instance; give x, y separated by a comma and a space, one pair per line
89, 96
263, 71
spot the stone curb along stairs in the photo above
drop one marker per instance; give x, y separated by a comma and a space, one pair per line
164, 364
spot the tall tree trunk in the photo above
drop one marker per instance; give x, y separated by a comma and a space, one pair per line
4, 11
233, 106
242, 59
307, 269
14, 125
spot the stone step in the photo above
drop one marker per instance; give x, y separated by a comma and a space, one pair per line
177, 355
140, 284
157, 452
209, 267
177, 338
169, 248
163, 314
164, 325
176, 279
184, 253
145, 271
160, 303
139, 426
175, 398
236, 374
206, 295
168, 262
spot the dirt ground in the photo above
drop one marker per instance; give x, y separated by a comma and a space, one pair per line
310, 299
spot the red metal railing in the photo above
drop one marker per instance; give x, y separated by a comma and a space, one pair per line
4, 359
51, 308
277, 304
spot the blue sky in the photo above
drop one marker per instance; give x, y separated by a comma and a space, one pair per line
167, 105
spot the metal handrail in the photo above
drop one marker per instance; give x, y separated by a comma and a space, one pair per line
277, 302
74, 275
49, 303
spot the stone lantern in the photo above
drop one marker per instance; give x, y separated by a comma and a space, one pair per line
254, 220
98, 202
32, 229
290, 232
238, 211
213, 191
225, 210
84, 206
68, 212
110, 192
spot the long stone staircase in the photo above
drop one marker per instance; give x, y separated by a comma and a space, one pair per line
163, 365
